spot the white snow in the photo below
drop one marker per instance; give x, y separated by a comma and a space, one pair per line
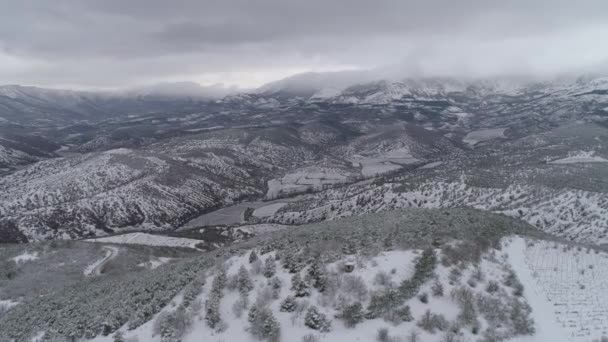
308, 178
25, 256
261, 228
268, 210
148, 239
155, 262
572, 281
547, 328
431, 165
580, 157
476, 137
121, 150
8, 303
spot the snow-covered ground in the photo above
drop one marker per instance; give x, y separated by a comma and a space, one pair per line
547, 327
148, 239
309, 178
573, 283
395, 265
261, 228
25, 256
268, 210
580, 157
476, 137
155, 262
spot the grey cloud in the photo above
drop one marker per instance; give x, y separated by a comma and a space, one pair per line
118, 43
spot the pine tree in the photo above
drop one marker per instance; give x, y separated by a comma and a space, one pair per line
270, 268
264, 325
244, 282
316, 320
352, 314
317, 274
253, 256
288, 304
299, 286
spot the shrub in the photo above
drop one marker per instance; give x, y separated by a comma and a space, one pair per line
382, 302
424, 298
523, 324
382, 335
316, 320
310, 338
352, 314
118, 337
492, 287
8, 269
431, 322
437, 288
355, 287
465, 299
399, 315
383, 279
492, 309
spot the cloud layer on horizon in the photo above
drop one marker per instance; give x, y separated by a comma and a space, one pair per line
113, 43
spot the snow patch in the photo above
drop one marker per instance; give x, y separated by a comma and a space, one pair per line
580, 157
148, 239
475, 137
26, 256
268, 210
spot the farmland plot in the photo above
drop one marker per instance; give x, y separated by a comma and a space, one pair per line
574, 281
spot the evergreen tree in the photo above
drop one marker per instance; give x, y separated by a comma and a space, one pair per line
253, 256
352, 314
270, 268
288, 304
299, 286
317, 274
244, 282
316, 320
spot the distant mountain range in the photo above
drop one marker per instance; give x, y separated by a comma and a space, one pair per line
76, 164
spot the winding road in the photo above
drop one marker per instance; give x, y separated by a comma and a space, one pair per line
95, 268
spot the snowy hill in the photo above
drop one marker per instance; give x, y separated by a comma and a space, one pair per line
433, 275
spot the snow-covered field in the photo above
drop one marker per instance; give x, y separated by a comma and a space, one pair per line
268, 210
580, 157
476, 137
574, 281
148, 239
314, 178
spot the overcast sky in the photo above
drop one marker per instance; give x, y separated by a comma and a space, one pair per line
123, 43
